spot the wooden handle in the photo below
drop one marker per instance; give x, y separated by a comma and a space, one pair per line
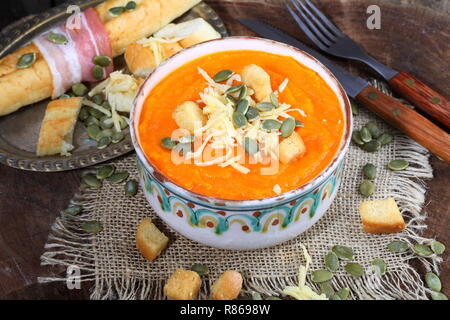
406, 119
422, 97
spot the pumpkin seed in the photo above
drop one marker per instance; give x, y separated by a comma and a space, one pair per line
104, 172
367, 188
251, 146
335, 297
131, 6
91, 120
422, 250
256, 295
242, 106
373, 129
365, 134
79, 89
287, 127
272, 298
168, 143
239, 120
106, 105
97, 73
299, 124
343, 293
105, 133
26, 60
65, 96
379, 266
327, 289
264, 106
343, 253
321, 276
84, 114
437, 247
57, 38
106, 122
371, 146
397, 246
114, 12
118, 177
131, 188
223, 75
201, 269
252, 114
243, 93
123, 123
234, 89
355, 269
433, 281
92, 227
117, 137
274, 100
398, 165
93, 131
98, 99
356, 137
331, 262
231, 100
355, 108
73, 210
271, 125
91, 181
370, 171
438, 296
102, 61
96, 113
385, 138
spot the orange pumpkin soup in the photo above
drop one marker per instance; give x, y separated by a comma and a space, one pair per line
320, 113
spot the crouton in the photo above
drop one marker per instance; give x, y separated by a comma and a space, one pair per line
381, 216
183, 285
292, 148
149, 240
189, 116
258, 79
228, 286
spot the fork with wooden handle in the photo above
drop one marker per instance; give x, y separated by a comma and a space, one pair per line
331, 40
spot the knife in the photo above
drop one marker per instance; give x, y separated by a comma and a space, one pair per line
393, 111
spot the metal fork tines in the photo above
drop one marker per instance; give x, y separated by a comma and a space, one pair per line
329, 38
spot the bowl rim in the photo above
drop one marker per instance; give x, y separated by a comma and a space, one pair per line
233, 204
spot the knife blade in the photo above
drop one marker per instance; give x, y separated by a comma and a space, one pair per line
352, 84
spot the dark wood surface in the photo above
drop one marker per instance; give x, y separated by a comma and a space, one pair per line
414, 37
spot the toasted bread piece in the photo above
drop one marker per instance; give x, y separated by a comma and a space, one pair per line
142, 58
57, 127
183, 285
149, 240
190, 32
258, 79
381, 216
228, 286
292, 148
188, 115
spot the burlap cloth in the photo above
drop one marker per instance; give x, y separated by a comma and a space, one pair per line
110, 262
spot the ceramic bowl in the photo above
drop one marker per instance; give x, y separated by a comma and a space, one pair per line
243, 224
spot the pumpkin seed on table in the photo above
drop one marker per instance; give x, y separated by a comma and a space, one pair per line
93, 132
57, 38
355, 109
365, 135
92, 181
239, 120
96, 113
104, 172
287, 127
106, 105
242, 106
123, 123
321, 276
201, 269
331, 262
223, 75
343, 253
98, 99
433, 282
26, 60
102, 61
355, 269
105, 133
398, 246
243, 92
343, 293
84, 114
422, 250
256, 295
398, 165
375, 132
438, 296
116, 11
73, 210
299, 124
92, 227
367, 188
118, 177
356, 138
264, 106
168, 143
103, 142
379, 266
106, 122
252, 114
371, 146
131, 188
271, 125
327, 289
234, 89
437, 247
251, 146
97, 72
370, 171
65, 96
79, 89
117, 137
385, 139
274, 100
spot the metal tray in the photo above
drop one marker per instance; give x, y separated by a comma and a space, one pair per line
19, 131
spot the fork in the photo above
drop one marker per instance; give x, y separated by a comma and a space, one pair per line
325, 35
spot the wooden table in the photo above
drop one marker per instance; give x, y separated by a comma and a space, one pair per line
412, 38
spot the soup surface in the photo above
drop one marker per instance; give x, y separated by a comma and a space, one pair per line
322, 132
